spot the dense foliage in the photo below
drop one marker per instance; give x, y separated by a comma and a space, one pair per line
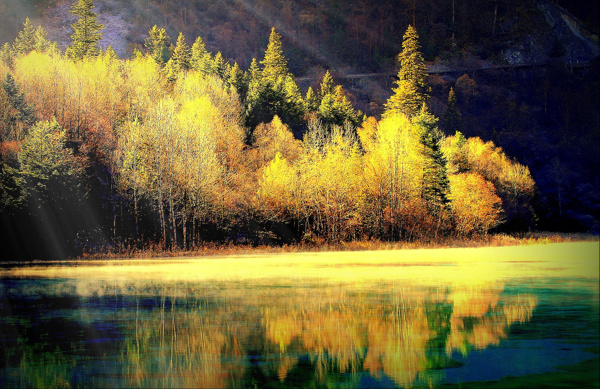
175, 146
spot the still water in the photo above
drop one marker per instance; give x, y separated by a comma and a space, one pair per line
519, 316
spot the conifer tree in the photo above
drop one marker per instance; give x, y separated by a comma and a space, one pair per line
25, 41
182, 55
42, 44
311, 101
412, 89
220, 67
86, 31
436, 186
17, 115
327, 85
274, 63
157, 44
452, 117
237, 81
200, 57
6, 54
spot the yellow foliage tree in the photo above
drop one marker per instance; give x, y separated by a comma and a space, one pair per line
475, 206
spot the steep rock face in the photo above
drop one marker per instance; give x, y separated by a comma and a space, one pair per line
565, 38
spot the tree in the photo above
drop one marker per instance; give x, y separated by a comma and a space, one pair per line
42, 44
157, 44
475, 206
15, 114
26, 40
50, 170
412, 90
182, 55
274, 63
452, 117
436, 186
86, 32
200, 57
327, 85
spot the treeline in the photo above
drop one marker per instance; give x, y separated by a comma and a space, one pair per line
175, 146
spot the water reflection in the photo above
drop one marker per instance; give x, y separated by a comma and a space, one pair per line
240, 334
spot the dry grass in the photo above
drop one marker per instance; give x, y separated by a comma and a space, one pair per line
214, 249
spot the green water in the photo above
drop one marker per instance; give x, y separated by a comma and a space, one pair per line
308, 332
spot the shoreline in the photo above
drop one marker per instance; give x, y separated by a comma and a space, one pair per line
216, 249
212, 250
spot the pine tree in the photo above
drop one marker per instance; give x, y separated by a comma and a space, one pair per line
201, 58
157, 44
327, 85
452, 117
86, 32
6, 54
311, 101
25, 41
274, 63
220, 67
16, 98
182, 55
412, 89
436, 186
42, 44
237, 81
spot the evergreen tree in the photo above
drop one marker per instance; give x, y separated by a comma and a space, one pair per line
86, 31
237, 81
220, 67
436, 186
157, 44
25, 41
254, 71
412, 89
6, 54
200, 57
327, 85
452, 117
311, 101
274, 63
16, 115
182, 55
42, 44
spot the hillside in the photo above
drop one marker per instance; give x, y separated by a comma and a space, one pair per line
525, 76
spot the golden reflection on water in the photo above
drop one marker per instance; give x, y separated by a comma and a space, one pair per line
206, 336
301, 318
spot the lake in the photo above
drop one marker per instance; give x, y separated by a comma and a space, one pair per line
520, 316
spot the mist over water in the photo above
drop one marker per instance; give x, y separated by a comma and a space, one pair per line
390, 319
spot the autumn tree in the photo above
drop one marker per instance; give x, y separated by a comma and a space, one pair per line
476, 207
86, 31
392, 206
512, 180
411, 90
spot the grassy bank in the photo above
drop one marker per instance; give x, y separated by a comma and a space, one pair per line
215, 249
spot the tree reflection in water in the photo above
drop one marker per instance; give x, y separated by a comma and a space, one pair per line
210, 336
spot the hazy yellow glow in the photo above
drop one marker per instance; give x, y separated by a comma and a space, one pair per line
446, 266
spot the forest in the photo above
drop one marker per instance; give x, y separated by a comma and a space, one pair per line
175, 145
